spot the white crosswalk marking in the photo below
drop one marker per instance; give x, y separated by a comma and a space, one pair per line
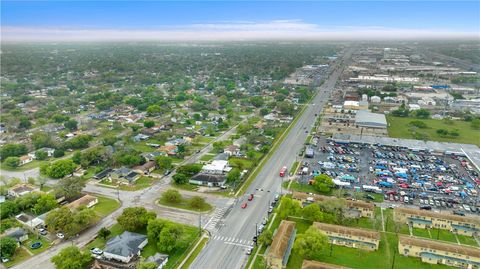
233, 240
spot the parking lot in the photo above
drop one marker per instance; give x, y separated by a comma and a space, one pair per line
418, 178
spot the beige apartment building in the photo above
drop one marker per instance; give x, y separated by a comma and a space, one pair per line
462, 225
281, 247
350, 237
436, 252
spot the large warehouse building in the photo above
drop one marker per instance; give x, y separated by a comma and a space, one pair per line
365, 118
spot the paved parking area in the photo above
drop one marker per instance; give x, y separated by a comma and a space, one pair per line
414, 177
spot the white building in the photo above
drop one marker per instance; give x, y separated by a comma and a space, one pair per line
216, 167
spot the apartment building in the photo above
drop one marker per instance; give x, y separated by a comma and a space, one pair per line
282, 243
355, 208
436, 252
463, 225
350, 237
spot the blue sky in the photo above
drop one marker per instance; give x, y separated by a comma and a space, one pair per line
447, 17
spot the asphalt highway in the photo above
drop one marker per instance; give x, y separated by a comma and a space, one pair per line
234, 232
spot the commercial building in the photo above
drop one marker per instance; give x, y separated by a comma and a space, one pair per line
210, 180
307, 264
365, 118
427, 219
436, 252
350, 237
279, 251
355, 208
216, 167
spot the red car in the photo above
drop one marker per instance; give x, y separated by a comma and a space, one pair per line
244, 205
250, 198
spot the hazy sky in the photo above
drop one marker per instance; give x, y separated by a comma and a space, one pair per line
223, 20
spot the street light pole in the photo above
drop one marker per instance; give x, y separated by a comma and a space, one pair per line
256, 234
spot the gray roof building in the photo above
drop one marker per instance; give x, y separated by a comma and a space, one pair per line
125, 246
365, 118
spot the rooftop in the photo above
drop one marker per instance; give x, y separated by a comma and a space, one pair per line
365, 117
281, 239
347, 230
437, 245
431, 214
125, 244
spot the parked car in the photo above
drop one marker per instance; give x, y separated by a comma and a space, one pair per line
60, 235
244, 205
249, 250
250, 197
425, 207
96, 251
42, 231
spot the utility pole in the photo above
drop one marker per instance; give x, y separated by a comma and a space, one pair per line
199, 224
256, 234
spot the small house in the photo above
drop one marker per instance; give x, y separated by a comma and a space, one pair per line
125, 247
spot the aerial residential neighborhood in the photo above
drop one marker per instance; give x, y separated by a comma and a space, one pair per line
232, 134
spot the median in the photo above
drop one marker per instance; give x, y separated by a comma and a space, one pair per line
173, 198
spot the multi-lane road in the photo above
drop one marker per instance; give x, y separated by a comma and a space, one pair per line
234, 231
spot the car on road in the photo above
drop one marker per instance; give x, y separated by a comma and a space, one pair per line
96, 251
244, 205
260, 228
60, 235
249, 250
270, 209
250, 197
277, 197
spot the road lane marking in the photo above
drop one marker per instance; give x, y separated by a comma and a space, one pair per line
236, 244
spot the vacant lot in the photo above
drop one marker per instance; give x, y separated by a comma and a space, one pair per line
401, 128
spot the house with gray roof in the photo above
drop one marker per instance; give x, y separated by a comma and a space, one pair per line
159, 259
124, 247
17, 233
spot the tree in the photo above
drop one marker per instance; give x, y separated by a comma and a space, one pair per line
310, 243
8, 208
45, 203
422, 113
289, 207
312, 212
189, 169
13, 150
197, 202
41, 140
149, 123
180, 178
71, 258
169, 237
104, 233
442, 132
164, 162
233, 175
41, 155
77, 157
60, 168
154, 228
419, 124
78, 142
12, 161
171, 196
71, 125
70, 187
69, 222
323, 183
57, 153
8, 246
266, 237
154, 110
135, 218
24, 123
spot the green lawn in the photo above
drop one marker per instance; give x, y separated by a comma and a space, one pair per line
34, 238
141, 183
467, 240
241, 162
98, 242
399, 127
185, 204
207, 157
295, 186
19, 256
195, 253
105, 206
25, 167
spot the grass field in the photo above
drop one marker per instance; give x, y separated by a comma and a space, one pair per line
185, 204
399, 127
141, 183
25, 167
105, 206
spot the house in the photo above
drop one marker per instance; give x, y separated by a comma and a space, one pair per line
25, 159
145, 168
282, 243
124, 175
103, 174
355, 208
151, 156
21, 189
308, 264
216, 167
464, 225
140, 137
124, 247
86, 200
49, 151
159, 259
169, 150
232, 150
210, 180
17, 233
437, 252
350, 237
28, 221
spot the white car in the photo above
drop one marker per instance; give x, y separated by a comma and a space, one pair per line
260, 228
96, 251
249, 250
60, 235
264, 222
